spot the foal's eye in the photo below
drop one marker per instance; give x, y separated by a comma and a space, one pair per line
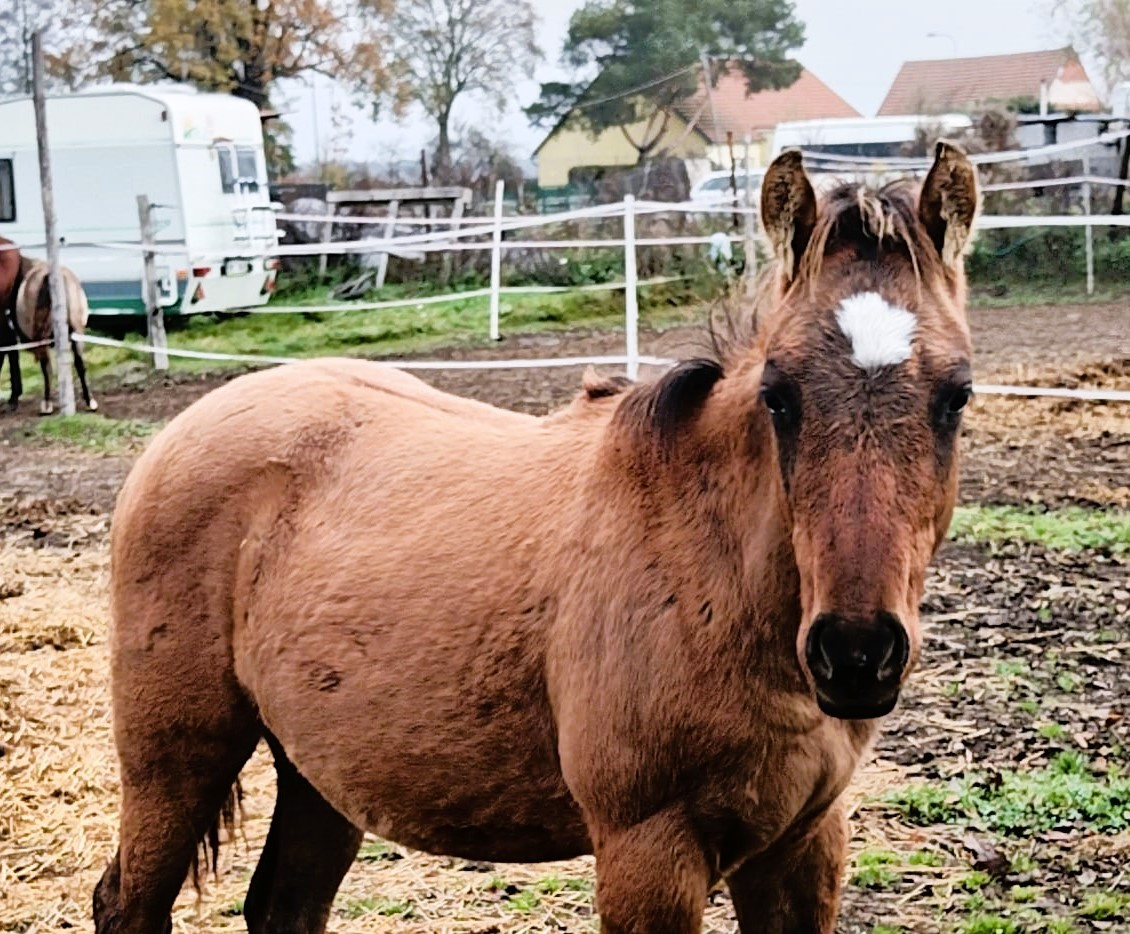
779, 394
951, 403
783, 405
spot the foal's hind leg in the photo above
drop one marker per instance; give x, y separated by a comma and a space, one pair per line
177, 772
309, 849
795, 887
80, 369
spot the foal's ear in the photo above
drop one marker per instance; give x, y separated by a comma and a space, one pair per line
788, 209
948, 203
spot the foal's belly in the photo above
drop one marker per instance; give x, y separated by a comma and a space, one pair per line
426, 744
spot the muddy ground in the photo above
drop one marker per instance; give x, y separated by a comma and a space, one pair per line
1026, 660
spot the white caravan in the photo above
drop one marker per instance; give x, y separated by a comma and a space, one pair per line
876, 138
199, 160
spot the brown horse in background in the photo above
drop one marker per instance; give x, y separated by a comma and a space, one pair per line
658, 625
33, 323
11, 275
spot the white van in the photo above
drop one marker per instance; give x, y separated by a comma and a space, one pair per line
199, 160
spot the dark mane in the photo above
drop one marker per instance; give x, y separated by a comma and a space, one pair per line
654, 413
879, 220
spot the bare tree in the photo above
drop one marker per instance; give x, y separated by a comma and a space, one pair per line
61, 23
1099, 29
443, 49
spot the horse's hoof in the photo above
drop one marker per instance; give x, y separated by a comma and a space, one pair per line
93, 405
46, 408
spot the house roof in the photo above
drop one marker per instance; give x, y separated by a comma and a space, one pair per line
737, 111
947, 84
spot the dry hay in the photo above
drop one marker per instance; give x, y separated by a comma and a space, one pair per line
58, 794
1059, 435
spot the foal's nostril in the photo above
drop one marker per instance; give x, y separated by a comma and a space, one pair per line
857, 652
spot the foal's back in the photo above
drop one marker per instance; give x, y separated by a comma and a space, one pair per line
353, 547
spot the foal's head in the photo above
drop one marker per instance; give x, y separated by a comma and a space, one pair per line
866, 369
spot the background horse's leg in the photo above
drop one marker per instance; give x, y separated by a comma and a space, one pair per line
794, 888
309, 849
14, 374
80, 369
651, 878
47, 406
17, 378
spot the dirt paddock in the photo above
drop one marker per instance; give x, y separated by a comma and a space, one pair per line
1020, 639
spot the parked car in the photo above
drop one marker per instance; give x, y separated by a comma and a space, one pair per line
717, 187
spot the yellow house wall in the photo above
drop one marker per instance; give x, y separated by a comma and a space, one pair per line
760, 148
567, 148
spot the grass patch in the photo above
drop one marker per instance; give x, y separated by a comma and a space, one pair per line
1065, 795
1069, 529
388, 907
873, 869
92, 432
1105, 906
411, 330
989, 924
377, 851
523, 901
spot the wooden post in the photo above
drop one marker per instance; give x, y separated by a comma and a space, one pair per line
60, 323
631, 299
496, 261
449, 255
390, 229
154, 313
327, 235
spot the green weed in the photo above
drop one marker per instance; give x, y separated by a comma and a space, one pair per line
872, 869
1105, 906
377, 851
1066, 794
989, 924
525, 900
1068, 529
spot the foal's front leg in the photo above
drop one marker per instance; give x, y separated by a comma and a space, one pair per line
651, 878
794, 888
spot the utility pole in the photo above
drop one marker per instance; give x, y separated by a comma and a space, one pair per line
59, 321
708, 82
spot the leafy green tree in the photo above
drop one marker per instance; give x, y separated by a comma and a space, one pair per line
242, 47
637, 62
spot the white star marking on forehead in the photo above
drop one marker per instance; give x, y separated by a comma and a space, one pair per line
881, 334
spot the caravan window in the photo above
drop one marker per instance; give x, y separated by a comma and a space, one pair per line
239, 168
7, 192
865, 150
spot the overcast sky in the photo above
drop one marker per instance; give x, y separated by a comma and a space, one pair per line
856, 53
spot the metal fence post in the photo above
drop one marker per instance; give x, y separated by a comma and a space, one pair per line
496, 261
631, 299
1088, 231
